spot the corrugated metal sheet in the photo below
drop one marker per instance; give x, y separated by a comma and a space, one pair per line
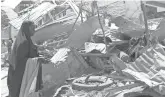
148, 68
33, 15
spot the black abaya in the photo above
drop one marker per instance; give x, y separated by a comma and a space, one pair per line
22, 50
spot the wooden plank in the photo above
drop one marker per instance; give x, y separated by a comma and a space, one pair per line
115, 90
145, 16
79, 58
96, 55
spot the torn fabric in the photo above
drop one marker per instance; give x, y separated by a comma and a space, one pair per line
29, 80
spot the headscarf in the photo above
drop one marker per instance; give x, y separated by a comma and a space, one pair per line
23, 37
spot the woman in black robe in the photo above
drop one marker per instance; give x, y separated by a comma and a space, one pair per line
22, 50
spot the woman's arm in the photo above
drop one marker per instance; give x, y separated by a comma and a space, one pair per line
33, 52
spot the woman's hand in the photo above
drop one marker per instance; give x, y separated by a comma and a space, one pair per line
43, 60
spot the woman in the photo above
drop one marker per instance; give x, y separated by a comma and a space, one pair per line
22, 50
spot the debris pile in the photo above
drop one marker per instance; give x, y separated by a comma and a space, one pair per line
125, 60
126, 69
144, 76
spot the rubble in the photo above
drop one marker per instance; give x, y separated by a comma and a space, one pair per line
137, 78
141, 73
128, 72
82, 64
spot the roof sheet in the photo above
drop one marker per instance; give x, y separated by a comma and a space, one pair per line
33, 15
148, 68
11, 14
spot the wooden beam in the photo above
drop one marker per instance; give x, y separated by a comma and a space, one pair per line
101, 26
96, 55
78, 57
145, 16
81, 12
115, 90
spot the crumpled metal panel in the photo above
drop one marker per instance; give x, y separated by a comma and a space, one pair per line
95, 46
60, 56
34, 14
149, 68
132, 29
